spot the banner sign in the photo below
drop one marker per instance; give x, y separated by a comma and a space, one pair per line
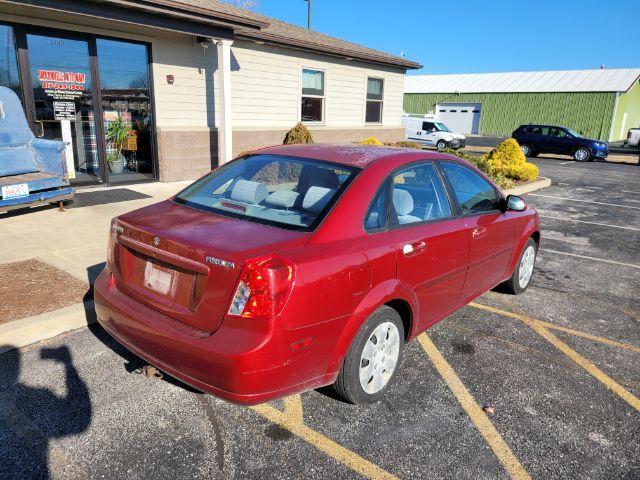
62, 85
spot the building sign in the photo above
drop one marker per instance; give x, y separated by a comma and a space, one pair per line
64, 110
62, 85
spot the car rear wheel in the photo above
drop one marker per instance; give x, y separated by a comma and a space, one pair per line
582, 154
521, 277
526, 150
441, 145
373, 358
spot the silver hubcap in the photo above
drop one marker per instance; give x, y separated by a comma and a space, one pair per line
581, 154
526, 150
526, 266
441, 146
379, 357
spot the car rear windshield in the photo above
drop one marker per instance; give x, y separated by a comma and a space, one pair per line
290, 192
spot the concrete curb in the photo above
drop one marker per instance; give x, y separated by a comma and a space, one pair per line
542, 182
20, 333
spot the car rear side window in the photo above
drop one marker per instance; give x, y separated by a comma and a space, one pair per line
473, 193
418, 195
376, 217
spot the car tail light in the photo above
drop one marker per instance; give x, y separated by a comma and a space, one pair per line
263, 289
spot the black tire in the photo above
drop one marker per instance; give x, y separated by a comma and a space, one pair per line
527, 150
513, 284
579, 152
441, 145
348, 386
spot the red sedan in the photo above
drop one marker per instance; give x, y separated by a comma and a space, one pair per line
302, 266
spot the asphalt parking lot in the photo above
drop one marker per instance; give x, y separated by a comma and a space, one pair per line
559, 365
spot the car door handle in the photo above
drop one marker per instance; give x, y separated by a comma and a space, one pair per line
479, 232
409, 249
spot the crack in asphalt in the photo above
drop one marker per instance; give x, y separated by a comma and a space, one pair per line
215, 424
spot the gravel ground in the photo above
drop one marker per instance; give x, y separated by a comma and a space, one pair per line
74, 407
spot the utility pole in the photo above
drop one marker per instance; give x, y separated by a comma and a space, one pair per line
308, 14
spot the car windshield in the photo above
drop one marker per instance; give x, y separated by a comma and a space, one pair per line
574, 133
289, 192
441, 127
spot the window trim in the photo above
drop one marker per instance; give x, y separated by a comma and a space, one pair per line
501, 197
367, 100
323, 97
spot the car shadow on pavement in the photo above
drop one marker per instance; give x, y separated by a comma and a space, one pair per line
30, 416
132, 363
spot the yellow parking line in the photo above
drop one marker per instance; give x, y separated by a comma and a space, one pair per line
541, 329
291, 419
512, 465
293, 407
577, 333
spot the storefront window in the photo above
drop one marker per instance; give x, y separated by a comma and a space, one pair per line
126, 105
9, 76
62, 91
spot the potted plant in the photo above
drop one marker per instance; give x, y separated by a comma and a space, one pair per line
117, 133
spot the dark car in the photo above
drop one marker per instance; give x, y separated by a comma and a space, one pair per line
535, 139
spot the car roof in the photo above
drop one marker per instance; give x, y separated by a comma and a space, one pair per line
541, 125
355, 155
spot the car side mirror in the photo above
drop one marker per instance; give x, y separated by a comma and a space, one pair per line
515, 203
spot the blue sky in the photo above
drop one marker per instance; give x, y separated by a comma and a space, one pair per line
468, 36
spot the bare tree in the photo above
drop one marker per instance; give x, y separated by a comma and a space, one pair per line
246, 4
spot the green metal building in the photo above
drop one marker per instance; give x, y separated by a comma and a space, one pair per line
601, 104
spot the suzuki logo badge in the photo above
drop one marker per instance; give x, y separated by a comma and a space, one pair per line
156, 241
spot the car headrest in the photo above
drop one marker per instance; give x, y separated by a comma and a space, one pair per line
249, 192
282, 198
402, 201
324, 177
317, 198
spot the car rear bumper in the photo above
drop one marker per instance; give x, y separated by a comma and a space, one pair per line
235, 363
38, 198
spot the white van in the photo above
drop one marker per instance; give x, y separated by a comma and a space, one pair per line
429, 132
633, 138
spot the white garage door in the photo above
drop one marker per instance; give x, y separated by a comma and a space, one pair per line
459, 117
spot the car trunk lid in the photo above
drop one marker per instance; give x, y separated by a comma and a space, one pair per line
185, 262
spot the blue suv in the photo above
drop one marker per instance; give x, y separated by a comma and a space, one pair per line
535, 139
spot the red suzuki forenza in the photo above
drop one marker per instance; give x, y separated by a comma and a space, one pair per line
302, 266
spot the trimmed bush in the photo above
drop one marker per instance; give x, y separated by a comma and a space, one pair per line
526, 171
371, 141
404, 144
505, 164
298, 134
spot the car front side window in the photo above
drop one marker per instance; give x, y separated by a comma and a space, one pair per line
473, 193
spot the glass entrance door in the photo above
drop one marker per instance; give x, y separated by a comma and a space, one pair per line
62, 92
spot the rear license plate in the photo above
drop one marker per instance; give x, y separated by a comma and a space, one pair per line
15, 191
158, 279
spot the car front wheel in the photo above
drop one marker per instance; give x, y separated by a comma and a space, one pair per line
582, 154
373, 358
523, 272
441, 145
526, 149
